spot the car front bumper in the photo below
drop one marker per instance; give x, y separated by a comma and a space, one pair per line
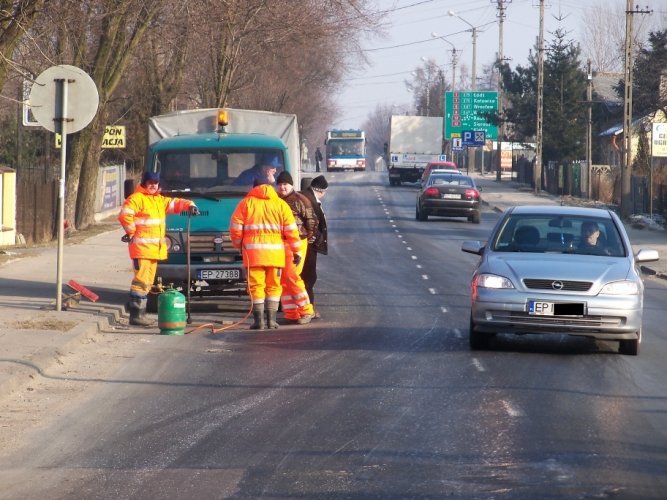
606, 317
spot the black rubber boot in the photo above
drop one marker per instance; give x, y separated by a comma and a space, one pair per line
258, 315
138, 317
271, 310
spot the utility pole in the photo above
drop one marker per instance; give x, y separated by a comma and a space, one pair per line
501, 128
626, 157
589, 130
537, 169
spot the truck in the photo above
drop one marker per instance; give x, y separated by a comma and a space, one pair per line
414, 141
345, 150
199, 154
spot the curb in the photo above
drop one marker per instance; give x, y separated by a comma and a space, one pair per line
24, 370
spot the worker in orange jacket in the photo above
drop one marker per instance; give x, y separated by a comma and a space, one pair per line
143, 218
261, 226
296, 305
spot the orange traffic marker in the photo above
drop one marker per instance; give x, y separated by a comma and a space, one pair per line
82, 290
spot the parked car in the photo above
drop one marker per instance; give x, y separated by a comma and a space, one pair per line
449, 195
558, 270
449, 165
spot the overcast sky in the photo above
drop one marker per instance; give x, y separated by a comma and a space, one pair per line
409, 27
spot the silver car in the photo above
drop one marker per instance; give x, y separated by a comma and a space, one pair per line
558, 270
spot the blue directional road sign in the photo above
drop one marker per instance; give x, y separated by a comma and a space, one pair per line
473, 137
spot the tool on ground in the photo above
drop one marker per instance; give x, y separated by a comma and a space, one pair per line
73, 299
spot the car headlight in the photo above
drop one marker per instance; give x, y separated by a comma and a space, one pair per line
624, 287
493, 281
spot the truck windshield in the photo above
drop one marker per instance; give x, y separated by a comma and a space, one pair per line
215, 170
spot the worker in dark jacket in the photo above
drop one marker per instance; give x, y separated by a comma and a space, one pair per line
295, 302
318, 242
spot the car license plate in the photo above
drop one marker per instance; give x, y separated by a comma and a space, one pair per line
540, 308
218, 274
451, 196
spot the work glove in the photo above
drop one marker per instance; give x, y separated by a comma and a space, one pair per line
297, 259
126, 238
194, 210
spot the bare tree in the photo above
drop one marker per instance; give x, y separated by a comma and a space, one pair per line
377, 127
603, 34
15, 19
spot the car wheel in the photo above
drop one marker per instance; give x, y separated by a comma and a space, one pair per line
421, 215
478, 341
475, 218
630, 347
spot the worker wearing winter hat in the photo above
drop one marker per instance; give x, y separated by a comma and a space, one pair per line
143, 218
318, 242
261, 227
296, 305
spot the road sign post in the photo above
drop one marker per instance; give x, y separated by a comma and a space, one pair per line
53, 109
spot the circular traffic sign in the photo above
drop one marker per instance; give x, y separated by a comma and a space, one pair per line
46, 100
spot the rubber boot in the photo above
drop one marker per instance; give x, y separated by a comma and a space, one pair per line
258, 315
138, 312
271, 310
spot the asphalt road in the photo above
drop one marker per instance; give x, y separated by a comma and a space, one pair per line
380, 399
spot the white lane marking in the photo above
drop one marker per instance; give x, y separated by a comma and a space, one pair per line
400, 235
407, 248
391, 220
457, 333
478, 364
413, 257
432, 291
512, 410
424, 276
419, 266
444, 311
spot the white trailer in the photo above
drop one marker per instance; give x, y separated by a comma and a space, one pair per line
414, 141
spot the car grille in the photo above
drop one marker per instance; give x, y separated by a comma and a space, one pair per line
568, 286
522, 318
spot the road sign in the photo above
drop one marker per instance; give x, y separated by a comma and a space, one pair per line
659, 139
457, 143
464, 111
473, 137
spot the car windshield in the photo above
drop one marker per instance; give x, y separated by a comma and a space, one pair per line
450, 180
215, 170
555, 233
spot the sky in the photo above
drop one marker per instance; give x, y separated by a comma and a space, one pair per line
410, 23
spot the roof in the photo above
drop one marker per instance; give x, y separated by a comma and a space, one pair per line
217, 141
603, 86
561, 210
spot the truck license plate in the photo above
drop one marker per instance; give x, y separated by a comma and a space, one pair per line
218, 274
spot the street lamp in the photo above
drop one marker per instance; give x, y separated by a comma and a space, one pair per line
454, 61
474, 48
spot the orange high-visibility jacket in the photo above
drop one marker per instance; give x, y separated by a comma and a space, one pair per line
261, 225
143, 218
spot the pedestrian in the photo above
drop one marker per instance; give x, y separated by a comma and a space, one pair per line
262, 173
261, 226
318, 159
295, 303
143, 217
318, 242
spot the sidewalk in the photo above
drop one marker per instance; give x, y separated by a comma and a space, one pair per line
33, 334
